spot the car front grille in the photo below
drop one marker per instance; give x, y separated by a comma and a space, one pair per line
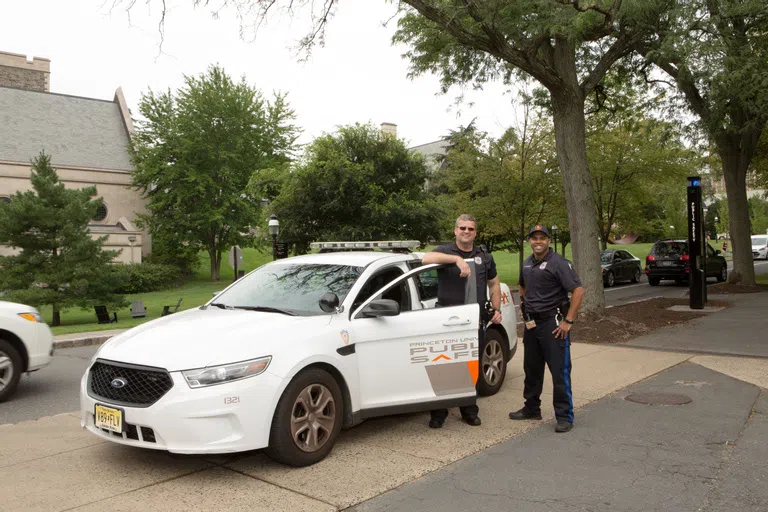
132, 432
126, 384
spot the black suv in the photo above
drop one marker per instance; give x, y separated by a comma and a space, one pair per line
669, 259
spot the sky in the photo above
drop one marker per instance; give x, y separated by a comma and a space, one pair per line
358, 76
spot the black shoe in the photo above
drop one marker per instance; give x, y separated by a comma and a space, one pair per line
435, 424
472, 420
525, 414
563, 426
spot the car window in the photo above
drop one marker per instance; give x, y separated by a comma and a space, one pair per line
426, 283
606, 257
295, 287
710, 251
759, 240
670, 249
626, 256
399, 293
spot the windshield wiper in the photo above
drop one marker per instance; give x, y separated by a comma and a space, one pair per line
220, 305
267, 309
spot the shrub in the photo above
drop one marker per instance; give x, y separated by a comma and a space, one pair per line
146, 277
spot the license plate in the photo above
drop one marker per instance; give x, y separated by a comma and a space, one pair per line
109, 418
666, 263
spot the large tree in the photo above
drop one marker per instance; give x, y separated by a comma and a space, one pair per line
196, 151
715, 52
566, 45
57, 260
356, 184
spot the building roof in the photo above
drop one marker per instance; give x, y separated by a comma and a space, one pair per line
74, 131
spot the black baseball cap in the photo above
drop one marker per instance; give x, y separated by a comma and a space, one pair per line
538, 228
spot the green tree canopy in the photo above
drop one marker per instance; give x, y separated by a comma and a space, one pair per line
196, 151
356, 184
58, 262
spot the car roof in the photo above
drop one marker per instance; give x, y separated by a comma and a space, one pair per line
351, 258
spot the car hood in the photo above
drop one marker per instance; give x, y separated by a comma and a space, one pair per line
15, 307
198, 338
757, 247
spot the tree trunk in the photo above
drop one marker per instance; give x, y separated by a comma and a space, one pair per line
568, 116
56, 320
735, 174
214, 264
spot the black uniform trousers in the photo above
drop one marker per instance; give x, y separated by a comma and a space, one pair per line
542, 347
467, 411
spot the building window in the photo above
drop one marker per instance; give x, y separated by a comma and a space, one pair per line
5, 199
101, 213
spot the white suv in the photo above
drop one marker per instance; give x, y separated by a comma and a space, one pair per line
26, 344
760, 247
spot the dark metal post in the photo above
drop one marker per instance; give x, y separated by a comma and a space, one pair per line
274, 247
234, 250
696, 250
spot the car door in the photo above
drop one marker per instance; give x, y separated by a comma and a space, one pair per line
627, 265
714, 262
417, 360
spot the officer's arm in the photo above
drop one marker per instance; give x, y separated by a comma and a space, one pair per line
494, 286
576, 297
447, 259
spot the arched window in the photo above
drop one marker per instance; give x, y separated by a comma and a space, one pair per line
101, 213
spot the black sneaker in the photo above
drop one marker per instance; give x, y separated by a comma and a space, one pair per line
435, 424
472, 420
525, 414
563, 426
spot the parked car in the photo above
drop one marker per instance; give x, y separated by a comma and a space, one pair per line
619, 265
669, 259
26, 344
760, 247
286, 356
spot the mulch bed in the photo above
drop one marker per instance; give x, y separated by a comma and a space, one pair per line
622, 323
727, 288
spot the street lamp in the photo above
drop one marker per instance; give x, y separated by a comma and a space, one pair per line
274, 230
554, 234
131, 240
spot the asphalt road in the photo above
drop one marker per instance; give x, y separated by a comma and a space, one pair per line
55, 389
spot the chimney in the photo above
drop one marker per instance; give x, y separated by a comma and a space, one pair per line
389, 129
32, 73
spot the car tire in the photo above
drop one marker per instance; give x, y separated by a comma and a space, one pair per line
636, 276
10, 369
723, 275
653, 281
609, 280
311, 393
492, 364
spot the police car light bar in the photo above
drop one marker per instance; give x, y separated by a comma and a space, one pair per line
392, 244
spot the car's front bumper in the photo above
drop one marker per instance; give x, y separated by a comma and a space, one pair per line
760, 254
225, 418
42, 354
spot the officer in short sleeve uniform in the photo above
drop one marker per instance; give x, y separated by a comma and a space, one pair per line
546, 279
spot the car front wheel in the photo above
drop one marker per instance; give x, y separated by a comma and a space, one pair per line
636, 275
723, 274
610, 280
10, 369
493, 365
307, 420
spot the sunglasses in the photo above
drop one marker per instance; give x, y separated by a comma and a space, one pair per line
466, 228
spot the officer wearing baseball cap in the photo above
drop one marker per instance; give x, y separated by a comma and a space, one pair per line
545, 281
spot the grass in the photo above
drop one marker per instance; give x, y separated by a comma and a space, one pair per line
198, 289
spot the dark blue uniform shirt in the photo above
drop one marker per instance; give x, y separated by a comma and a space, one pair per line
547, 282
450, 284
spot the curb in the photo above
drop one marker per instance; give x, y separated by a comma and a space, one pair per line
81, 342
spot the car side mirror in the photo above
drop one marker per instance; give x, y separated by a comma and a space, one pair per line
329, 302
717, 252
381, 307
617, 259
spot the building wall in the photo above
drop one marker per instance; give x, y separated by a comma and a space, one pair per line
25, 73
123, 204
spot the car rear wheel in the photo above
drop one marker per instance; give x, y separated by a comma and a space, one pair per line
493, 365
653, 281
307, 420
723, 274
636, 275
10, 369
610, 279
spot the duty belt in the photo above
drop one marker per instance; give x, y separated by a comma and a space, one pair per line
544, 316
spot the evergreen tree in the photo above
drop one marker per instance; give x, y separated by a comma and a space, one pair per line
57, 261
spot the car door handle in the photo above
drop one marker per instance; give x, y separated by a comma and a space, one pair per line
454, 320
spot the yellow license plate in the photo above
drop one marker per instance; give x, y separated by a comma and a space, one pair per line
109, 418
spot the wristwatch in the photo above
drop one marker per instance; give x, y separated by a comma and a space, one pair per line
570, 322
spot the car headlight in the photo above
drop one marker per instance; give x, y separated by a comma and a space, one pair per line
213, 375
32, 317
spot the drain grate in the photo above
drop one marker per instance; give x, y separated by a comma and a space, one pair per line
657, 398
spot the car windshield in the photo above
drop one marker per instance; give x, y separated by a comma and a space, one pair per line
759, 240
670, 249
606, 257
292, 288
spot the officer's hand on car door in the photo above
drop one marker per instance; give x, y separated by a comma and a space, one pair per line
562, 330
496, 318
464, 269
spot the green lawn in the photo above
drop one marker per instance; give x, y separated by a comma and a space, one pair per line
199, 289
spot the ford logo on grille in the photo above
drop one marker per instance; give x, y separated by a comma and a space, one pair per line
119, 383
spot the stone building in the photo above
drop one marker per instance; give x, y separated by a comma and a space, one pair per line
87, 140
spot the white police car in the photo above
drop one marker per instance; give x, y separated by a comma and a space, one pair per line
26, 344
290, 353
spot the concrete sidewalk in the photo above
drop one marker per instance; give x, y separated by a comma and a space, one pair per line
51, 464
